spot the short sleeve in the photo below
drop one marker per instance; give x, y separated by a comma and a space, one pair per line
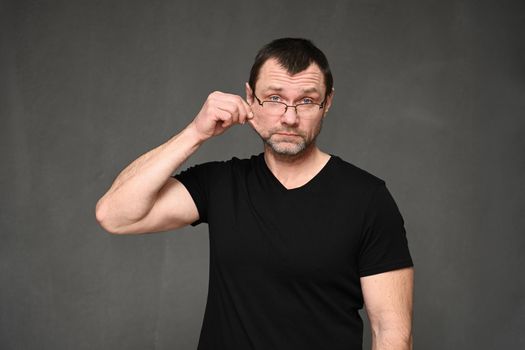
384, 245
196, 179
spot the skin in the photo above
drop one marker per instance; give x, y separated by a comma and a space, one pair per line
388, 300
275, 84
289, 141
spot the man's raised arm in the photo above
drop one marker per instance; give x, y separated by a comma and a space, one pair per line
144, 197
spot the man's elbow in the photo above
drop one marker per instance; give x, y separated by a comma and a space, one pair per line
102, 219
114, 230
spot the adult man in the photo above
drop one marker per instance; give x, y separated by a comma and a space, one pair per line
299, 239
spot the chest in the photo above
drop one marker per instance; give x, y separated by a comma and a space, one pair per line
309, 235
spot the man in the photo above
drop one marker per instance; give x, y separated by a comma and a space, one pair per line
299, 238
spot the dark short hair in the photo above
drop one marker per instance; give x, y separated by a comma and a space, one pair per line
295, 55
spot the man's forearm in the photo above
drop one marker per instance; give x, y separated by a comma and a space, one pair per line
134, 191
391, 340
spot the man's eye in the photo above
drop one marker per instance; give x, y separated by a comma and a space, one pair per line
274, 98
307, 100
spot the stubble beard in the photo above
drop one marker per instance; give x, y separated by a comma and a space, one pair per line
293, 146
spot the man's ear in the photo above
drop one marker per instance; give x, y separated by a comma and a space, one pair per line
328, 102
249, 93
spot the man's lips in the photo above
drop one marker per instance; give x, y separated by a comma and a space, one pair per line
286, 134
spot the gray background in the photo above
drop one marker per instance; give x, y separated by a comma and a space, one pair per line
429, 96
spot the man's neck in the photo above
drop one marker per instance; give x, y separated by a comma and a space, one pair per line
295, 171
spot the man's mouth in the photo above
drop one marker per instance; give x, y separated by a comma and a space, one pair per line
286, 134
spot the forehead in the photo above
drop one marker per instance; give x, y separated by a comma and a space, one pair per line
273, 75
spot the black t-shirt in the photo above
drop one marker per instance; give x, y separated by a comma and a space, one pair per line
285, 263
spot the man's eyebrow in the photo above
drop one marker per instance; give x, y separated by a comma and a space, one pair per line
311, 89
278, 88
273, 88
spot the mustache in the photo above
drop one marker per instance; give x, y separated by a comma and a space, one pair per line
287, 131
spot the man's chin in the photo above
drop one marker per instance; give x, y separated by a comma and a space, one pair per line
286, 149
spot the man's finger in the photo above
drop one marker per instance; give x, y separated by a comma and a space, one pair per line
244, 110
244, 107
233, 114
248, 108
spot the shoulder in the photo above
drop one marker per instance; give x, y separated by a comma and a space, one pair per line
216, 167
237, 164
354, 175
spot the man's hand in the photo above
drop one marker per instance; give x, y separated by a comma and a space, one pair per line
220, 112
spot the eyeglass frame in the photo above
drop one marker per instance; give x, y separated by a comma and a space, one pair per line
321, 105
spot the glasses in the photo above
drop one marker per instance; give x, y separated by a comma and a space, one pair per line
277, 109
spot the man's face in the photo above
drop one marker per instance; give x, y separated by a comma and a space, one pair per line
288, 134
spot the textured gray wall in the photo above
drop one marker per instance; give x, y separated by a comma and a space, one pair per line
429, 96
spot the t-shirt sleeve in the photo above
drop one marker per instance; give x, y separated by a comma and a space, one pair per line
196, 179
384, 245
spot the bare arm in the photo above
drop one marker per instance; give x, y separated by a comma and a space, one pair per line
142, 183
388, 299
144, 198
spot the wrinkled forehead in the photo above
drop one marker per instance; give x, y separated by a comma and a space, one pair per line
273, 76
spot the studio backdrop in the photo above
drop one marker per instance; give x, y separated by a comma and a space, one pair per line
429, 96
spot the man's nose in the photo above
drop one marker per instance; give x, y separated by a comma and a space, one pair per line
290, 116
